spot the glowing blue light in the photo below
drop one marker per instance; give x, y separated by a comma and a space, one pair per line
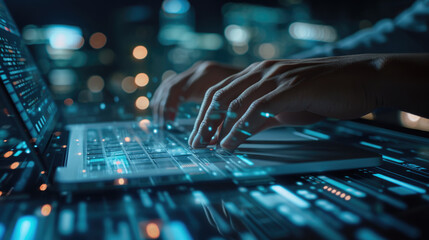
244, 159
371, 145
392, 159
169, 127
176, 230
267, 114
64, 36
290, 196
316, 134
102, 106
400, 183
210, 129
245, 132
175, 6
25, 228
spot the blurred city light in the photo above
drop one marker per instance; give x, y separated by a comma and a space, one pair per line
64, 36
62, 80
128, 84
141, 79
205, 41
97, 40
142, 103
236, 34
175, 6
140, 52
314, 32
240, 49
267, 50
95, 84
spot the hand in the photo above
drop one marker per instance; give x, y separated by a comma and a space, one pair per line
277, 92
189, 85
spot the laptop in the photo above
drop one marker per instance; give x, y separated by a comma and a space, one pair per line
109, 154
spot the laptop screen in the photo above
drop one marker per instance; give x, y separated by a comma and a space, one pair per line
24, 84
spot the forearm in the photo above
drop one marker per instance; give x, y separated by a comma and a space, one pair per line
403, 82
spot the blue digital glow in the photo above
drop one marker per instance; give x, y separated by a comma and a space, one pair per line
245, 132
244, 159
200, 197
25, 228
169, 127
371, 145
392, 159
400, 183
176, 230
267, 115
210, 129
316, 134
102, 106
64, 36
175, 6
301, 203
17, 153
2, 230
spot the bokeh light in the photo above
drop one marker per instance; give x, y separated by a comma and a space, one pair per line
43, 187
140, 52
267, 50
152, 230
128, 85
142, 103
8, 154
46, 210
144, 125
97, 40
14, 165
141, 79
95, 83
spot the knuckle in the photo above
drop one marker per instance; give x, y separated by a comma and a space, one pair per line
257, 105
235, 105
210, 92
208, 64
267, 63
219, 95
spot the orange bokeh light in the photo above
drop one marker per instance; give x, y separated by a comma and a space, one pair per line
43, 187
97, 40
46, 210
152, 230
142, 103
141, 79
8, 154
14, 165
140, 52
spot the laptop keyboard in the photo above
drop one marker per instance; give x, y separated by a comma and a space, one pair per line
128, 150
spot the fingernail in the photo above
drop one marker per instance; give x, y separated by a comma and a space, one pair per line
228, 144
199, 141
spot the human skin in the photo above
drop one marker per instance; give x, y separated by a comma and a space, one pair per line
279, 92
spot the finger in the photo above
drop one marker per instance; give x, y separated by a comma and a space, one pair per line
253, 121
157, 98
239, 105
216, 112
170, 95
206, 103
